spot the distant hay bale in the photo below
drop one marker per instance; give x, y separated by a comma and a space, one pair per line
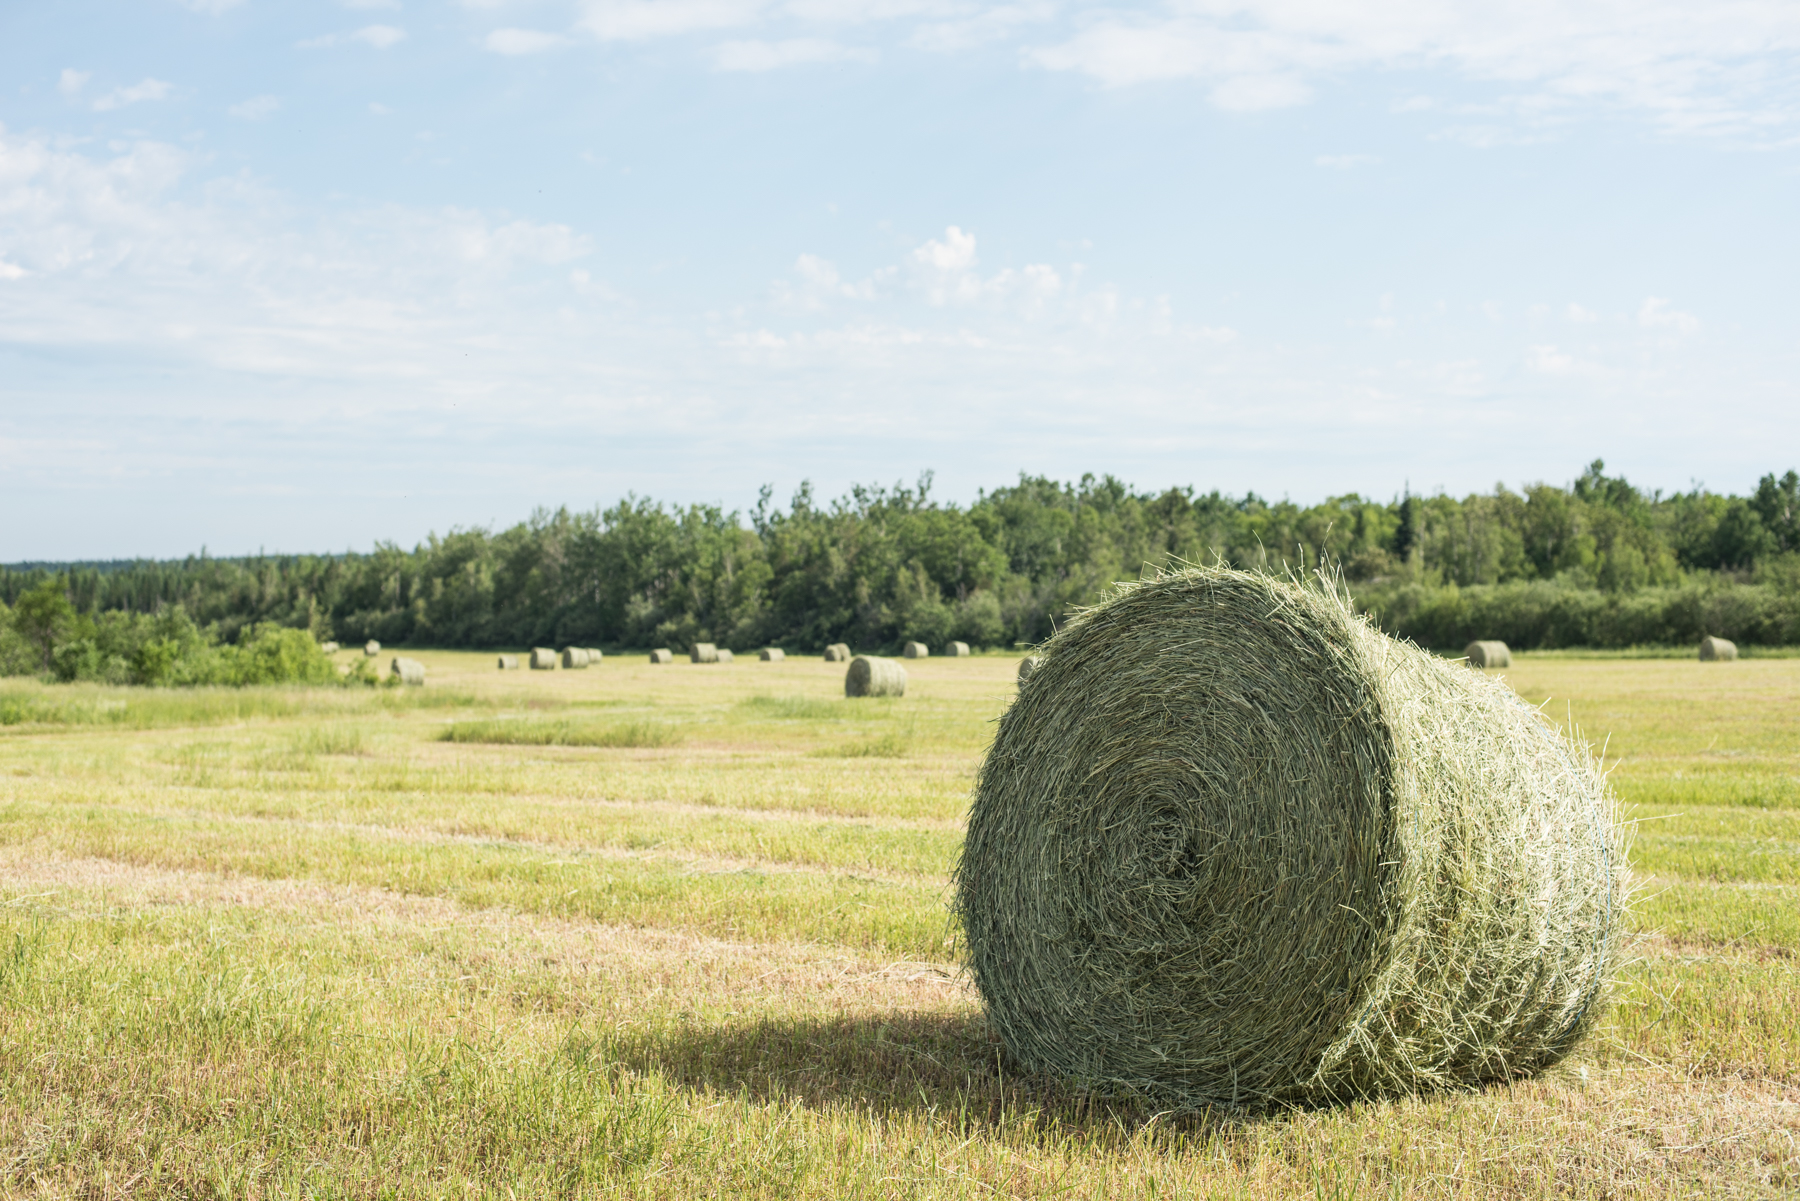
1717, 649
1488, 654
870, 676
543, 659
957, 650
508, 663
724, 655
772, 654
916, 650
837, 652
1234, 847
594, 655
330, 648
574, 656
1027, 665
371, 648
410, 671
704, 652
662, 654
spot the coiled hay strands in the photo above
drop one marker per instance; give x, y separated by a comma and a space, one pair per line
1235, 847
871, 676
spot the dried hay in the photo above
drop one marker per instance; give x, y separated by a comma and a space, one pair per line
1027, 665
573, 657
508, 663
1235, 847
772, 654
957, 650
1720, 650
837, 652
916, 650
662, 654
330, 648
724, 656
1488, 654
543, 659
594, 655
870, 676
409, 671
703, 652
371, 648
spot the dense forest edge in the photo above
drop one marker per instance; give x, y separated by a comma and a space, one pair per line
1598, 563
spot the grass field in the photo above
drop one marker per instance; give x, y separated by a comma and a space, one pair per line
681, 930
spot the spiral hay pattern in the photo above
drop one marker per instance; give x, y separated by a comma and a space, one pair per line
1235, 847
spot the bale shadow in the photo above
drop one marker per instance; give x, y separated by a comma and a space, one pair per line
947, 1067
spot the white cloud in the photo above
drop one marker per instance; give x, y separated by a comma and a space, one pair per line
1655, 313
1345, 162
1548, 360
1581, 316
955, 253
72, 81
634, 20
772, 56
522, 41
379, 36
149, 89
366, 4
255, 108
12, 270
376, 108
210, 8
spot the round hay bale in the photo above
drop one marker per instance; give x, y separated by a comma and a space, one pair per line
957, 650
870, 676
573, 657
916, 650
594, 655
371, 648
662, 654
330, 648
703, 652
1717, 649
724, 655
1027, 665
1488, 654
837, 652
543, 659
508, 663
1235, 847
772, 654
410, 671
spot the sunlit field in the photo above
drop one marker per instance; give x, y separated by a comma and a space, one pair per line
678, 930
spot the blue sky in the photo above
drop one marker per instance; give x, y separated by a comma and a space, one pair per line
305, 276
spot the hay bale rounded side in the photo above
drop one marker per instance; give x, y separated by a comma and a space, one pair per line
330, 648
574, 656
594, 655
1027, 665
872, 676
772, 654
409, 671
1488, 653
724, 656
662, 654
957, 650
543, 659
916, 650
1717, 650
371, 648
1235, 847
703, 652
508, 663
837, 652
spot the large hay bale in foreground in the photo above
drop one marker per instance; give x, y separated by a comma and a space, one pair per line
703, 652
371, 648
574, 657
662, 654
1488, 654
1027, 665
837, 652
772, 654
870, 676
1235, 847
916, 650
409, 671
1717, 649
957, 650
543, 659
508, 663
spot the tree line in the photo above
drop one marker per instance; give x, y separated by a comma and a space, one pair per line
1598, 562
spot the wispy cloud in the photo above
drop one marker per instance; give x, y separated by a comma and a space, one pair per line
1655, 313
636, 20
522, 41
1345, 162
71, 81
255, 108
149, 89
772, 56
379, 36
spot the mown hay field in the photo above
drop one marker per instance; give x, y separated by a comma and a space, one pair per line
672, 930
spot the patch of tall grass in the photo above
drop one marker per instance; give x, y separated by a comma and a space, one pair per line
27, 703
537, 732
